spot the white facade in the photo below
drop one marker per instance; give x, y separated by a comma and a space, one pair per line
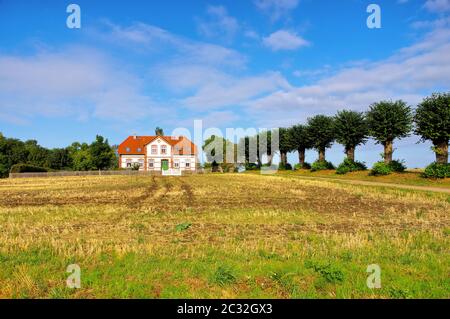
158, 155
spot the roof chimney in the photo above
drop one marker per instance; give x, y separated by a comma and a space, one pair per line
134, 136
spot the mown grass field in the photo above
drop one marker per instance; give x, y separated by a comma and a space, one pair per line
220, 236
410, 177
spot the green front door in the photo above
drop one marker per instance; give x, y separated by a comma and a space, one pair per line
165, 164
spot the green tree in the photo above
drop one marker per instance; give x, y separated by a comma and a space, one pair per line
388, 120
321, 131
216, 149
159, 131
432, 119
102, 155
351, 130
285, 144
301, 141
81, 157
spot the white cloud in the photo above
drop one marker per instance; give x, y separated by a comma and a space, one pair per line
276, 8
437, 5
149, 39
220, 24
284, 40
56, 84
410, 74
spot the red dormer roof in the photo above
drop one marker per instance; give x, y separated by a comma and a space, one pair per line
135, 145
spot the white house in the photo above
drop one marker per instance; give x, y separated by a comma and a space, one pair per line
158, 153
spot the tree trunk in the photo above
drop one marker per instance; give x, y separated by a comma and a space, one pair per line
322, 154
441, 152
269, 159
301, 157
388, 150
283, 158
350, 151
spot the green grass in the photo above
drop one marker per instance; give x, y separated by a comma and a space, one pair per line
412, 177
220, 236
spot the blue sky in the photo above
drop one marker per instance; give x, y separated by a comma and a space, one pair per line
135, 65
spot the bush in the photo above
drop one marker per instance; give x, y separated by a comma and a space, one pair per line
436, 170
305, 166
349, 165
321, 165
26, 168
251, 167
380, 168
287, 167
397, 166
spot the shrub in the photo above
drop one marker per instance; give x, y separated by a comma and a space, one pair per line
380, 168
305, 166
287, 167
251, 167
397, 166
321, 165
436, 170
349, 165
26, 168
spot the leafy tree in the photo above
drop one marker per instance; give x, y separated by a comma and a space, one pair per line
81, 157
216, 149
432, 121
301, 141
285, 144
351, 130
159, 131
266, 144
321, 131
102, 155
387, 121
59, 159
36, 154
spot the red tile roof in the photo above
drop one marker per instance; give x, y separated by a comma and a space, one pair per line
135, 145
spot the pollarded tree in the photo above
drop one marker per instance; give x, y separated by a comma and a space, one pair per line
432, 120
388, 120
285, 144
351, 131
321, 131
301, 141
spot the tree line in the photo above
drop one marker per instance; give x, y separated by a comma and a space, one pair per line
385, 122
78, 156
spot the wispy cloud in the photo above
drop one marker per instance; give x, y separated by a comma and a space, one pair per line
219, 24
284, 40
437, 6
276, 9
55, 84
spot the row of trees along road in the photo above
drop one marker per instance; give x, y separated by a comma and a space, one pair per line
385, 122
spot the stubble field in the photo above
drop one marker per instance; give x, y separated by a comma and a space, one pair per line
220, 236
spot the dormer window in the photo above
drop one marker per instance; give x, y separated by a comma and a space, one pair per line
128, 150
139, 149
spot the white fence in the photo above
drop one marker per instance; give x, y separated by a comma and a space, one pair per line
100, 173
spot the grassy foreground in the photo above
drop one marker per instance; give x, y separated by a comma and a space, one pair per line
220, 236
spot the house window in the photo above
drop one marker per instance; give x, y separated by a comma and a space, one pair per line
188, 164
128, 163
139, 149
151, 163
141, 163
128, 150
163, 149
154, 149
176, 164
